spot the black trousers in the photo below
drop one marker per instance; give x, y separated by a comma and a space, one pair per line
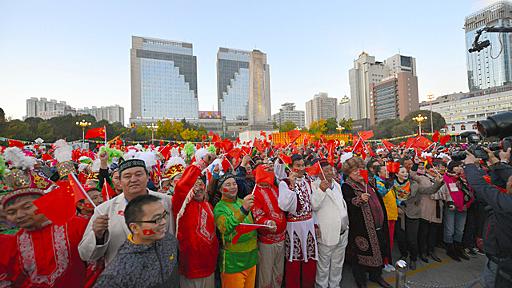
359, 271
408, 239
471, 227
427, 236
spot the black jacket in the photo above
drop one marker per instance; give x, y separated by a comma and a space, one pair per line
498, 231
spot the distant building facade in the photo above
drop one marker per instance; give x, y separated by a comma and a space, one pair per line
320, 107
112, 114
287, 113
47, 109
259, 113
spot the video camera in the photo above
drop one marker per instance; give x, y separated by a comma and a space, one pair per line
499, 125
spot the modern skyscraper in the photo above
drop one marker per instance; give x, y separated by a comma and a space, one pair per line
320, 107
287, 113
490, 67
233, 83
259, 114
366, 72
163, 80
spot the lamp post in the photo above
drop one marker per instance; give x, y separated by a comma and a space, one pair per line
153, 126
431, 98
420, 118
83, 124
340, 129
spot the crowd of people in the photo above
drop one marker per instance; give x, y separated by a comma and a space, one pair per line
231, 214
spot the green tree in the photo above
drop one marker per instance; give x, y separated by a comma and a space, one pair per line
384, 129
331, 125
287, 126
189, 134
347, 124
438, 120
318, 127
45, 131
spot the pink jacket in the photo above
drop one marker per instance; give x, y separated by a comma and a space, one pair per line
454, 187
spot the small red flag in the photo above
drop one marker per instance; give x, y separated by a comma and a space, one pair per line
258, 144
388, 145
107, 192
76, 189
235, 153
364, 174
216, 138
444, 140
393, 167
16, 143
366, 134
227, 145
57, 205
263, 176
95, 133
422, 142
314, 169
286, 159
243, 228
435, 137
166, 151
293, 135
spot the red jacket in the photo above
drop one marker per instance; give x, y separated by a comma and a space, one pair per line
198, 244
266, 208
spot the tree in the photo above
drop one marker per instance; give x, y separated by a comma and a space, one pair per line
318, 127
331, 125
287, 126
438, 120
2, 115
347, 124
384, 129
189, 134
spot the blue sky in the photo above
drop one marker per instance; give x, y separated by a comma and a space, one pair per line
78, 51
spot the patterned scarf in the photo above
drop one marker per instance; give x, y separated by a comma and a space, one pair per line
402, 190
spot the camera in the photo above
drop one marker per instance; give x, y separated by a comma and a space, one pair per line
474, 148
496, 125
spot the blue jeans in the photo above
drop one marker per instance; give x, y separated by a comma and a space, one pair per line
454, 222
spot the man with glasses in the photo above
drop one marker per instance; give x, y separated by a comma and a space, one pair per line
149, 256
106, 231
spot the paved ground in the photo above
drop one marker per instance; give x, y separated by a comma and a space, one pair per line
446, 274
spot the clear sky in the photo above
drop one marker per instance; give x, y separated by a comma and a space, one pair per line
79, 51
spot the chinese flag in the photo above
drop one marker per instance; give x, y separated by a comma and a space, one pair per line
227, 145
262, 133
435, 137
358, 148
422, 142
57, 205
364, 174
246, 150
388, 145
216, 138
258, 144
243, 228
286, 159
293, 135
314, 169
16, 143
366, 134
393, 167
77, 190
444, 139
165, 151
46, 157
262, 176
95, 133
107, 192
235, 153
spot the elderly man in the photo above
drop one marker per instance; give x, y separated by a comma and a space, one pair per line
330, 210
106, 231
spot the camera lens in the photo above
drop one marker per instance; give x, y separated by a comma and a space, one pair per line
497, 125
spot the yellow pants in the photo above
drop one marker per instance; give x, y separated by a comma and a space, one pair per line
244, 279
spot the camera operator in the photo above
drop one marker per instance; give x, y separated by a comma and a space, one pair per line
498, 238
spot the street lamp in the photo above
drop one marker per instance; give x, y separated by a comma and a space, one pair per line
340, 129
431, 98
83, 124
420, 118
153, 126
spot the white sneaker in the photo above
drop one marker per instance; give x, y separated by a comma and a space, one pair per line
389, 268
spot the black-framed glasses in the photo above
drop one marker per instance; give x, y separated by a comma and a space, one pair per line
157, 221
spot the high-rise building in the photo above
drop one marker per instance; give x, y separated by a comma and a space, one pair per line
490, 67
462, 110
366, 72
395, 97
110, 113
233, 83
320, 107
163, 80
395, 81
47, 109
343, 109
259, 114
287, 113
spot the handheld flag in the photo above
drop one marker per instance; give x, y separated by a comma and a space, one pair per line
99, 132
244, 228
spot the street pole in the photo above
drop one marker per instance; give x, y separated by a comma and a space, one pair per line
83, 136
431, 98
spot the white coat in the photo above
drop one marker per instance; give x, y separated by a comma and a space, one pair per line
330, 212
117, 232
